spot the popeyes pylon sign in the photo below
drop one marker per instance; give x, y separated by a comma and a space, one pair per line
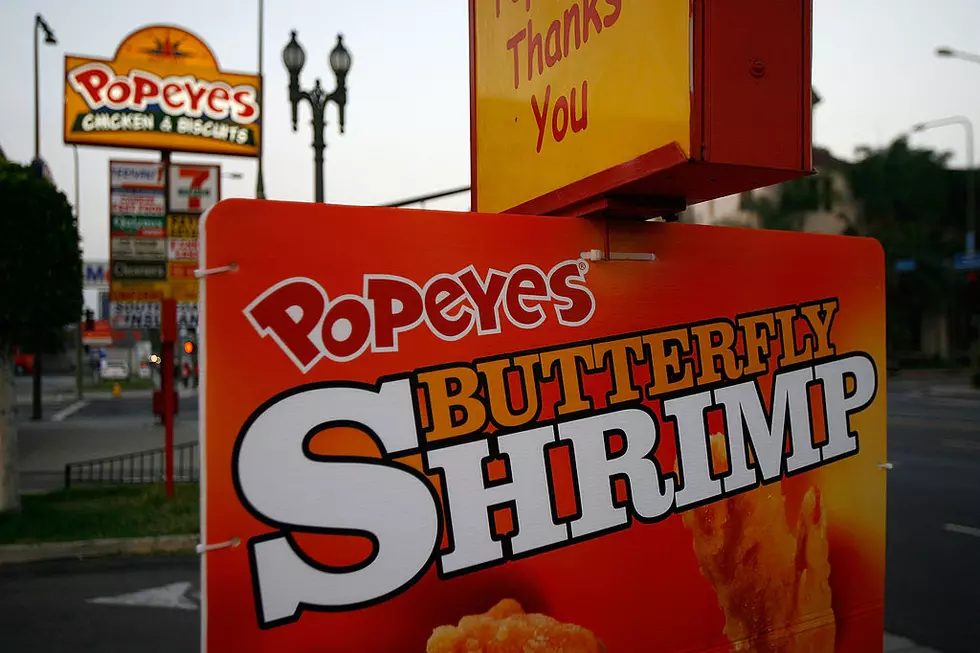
162, 90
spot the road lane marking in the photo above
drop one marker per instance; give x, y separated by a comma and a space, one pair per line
173, 596
930, 423
69, 410
962, 530
962, 444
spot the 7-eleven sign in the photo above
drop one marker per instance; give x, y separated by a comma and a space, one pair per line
194, 188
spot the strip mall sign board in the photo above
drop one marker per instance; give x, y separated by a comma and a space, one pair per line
526, 448
162, 90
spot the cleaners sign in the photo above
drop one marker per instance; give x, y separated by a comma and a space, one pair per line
162, 90
520, 445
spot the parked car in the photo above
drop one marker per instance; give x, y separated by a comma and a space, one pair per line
23, 363
114, 370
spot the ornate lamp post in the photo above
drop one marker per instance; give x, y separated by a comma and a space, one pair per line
293, 57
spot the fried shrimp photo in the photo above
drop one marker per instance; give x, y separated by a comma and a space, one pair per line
506, 628
771, 579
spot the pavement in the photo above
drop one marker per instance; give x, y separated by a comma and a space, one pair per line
98, 427
933, 548
49, 607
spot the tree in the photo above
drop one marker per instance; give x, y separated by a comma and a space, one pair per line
787, 207
910, 202
40, 268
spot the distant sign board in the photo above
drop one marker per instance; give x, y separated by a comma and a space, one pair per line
182, 226
183, 249
95, 274
139, 249
136, 174
146, 315
139, 270
966, 262
162, 90
138, 226
193, 189
142, 203
154, 254
906, 265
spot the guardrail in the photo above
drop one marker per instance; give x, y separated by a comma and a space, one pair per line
139, 467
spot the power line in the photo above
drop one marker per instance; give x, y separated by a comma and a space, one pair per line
426, 198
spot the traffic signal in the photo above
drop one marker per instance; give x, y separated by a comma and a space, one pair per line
188, 347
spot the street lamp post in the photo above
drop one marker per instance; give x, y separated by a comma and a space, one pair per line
950, 53
971, 206
293, 57
39, 25
79, 340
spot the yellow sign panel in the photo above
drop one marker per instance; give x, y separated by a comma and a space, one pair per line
180, 225
564, 90
162, 90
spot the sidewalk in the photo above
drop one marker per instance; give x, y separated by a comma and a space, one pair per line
896, 644
22, 399
934, 383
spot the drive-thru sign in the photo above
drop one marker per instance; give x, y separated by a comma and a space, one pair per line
527, 433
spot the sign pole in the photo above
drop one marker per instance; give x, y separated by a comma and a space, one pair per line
168, 336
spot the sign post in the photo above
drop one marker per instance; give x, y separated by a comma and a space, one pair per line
168, 336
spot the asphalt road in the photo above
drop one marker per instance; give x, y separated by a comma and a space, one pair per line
933, 550
933, 556
46, 607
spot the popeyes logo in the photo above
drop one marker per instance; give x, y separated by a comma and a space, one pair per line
182, 95
310, 325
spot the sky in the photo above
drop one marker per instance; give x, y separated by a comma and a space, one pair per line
407, 124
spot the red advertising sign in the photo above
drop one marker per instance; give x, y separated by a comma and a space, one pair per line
538, 434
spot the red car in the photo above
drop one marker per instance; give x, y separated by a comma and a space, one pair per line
23, 363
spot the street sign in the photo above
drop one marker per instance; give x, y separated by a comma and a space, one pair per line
643, 108
162, 90
527, 414
95, 274
906, 265
966, 261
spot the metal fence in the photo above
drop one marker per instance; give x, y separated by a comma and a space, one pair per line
139, 467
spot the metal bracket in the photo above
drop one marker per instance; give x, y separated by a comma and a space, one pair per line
204, 548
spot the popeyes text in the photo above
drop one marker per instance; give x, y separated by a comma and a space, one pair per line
487, 461
308, 325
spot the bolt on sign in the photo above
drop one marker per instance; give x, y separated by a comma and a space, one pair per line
507, 445
162, 90
635, 106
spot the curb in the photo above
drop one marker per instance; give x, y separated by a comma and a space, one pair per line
21, 553
954, 392
898, 644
